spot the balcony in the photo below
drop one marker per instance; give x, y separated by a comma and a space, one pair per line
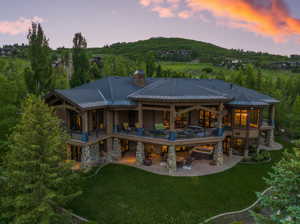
86, 136
188, 133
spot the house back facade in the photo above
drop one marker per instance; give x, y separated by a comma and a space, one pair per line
115, 115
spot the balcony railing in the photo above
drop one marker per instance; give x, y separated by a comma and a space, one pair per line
86, 136
190, 132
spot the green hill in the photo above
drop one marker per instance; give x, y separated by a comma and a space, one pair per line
179, 49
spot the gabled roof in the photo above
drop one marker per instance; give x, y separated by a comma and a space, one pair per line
121, 91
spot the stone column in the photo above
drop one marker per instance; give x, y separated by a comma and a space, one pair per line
270, 138
218, 154
90, 155
230, 152
140, 153
116, 152
171, 161
109, 148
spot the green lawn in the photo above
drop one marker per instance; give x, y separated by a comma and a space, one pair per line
122, 194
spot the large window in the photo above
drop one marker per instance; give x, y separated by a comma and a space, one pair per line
207, 119
242, 117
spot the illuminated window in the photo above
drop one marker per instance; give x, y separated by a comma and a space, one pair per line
207, 119
241, 118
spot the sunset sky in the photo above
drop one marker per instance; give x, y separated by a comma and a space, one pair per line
260, 25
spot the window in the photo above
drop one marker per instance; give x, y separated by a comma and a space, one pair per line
76, 153
207, 119
76, 121
241, 118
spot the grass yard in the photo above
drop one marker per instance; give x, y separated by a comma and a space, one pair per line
126, 195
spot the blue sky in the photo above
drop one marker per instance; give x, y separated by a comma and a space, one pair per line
108, 21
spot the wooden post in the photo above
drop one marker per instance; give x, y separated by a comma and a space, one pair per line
85, 124
109, 122
246, 152
172, 117
140, 111
220, 119
116, 120
273, 115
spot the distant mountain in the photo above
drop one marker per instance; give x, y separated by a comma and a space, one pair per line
179, 49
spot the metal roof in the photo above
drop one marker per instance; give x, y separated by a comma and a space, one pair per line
121, 91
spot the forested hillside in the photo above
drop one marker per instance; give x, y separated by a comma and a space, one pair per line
179, 49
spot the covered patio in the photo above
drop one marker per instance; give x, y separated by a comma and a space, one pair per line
200, 167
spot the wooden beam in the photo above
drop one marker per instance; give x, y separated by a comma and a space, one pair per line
172, 117
65, 106
155, 108
85, 123
197, 107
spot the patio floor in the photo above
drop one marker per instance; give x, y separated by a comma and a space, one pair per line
199, 167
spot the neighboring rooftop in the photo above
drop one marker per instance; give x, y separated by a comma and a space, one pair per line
121, 91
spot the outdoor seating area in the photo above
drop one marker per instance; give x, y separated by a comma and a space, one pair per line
188, 166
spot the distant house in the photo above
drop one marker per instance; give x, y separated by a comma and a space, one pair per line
163, 119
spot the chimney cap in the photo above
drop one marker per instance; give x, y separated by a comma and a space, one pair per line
139, 72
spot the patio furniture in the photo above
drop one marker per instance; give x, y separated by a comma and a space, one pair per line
179, 161
188, 163
147, 162
202, 153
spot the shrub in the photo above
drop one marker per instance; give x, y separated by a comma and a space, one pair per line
237, 222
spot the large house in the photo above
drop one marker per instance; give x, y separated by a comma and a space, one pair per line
163, 116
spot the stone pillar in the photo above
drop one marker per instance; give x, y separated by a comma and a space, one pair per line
140, 153
218, 154
230, 152
90, 155
116, 152
109, 148
171, 161
270, 137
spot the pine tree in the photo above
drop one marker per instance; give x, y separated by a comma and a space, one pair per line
39, 77
81, 62
38, 182
158, 71
295, 118
150, 64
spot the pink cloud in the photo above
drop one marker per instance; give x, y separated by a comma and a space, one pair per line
19, 26
164, 12
185, 14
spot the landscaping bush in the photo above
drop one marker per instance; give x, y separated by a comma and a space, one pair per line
238, 222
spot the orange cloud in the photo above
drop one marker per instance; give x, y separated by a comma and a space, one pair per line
19, 26
265, 17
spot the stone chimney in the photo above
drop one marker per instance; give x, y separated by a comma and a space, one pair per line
139, 78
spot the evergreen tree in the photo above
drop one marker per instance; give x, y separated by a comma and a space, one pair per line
158, 71
39, 76
284, 196
95, 71
81, 62
38, 181
258, 82
250, 77
150, 64
295, 118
